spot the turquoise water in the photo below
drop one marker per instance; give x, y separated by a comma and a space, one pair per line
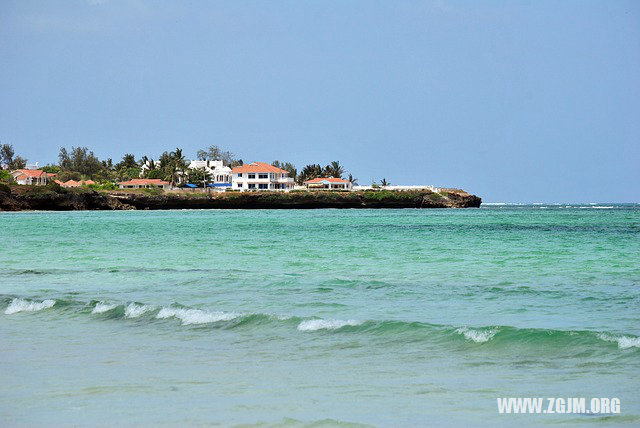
321, 317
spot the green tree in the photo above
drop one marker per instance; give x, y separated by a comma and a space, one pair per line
51, 169
8, 160
198, 176
334, 169
287, 166
173, 166
309, 172
128, 161
80, 160
5, 176
155, 173
216, 153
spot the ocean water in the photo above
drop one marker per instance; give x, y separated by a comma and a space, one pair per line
318, 317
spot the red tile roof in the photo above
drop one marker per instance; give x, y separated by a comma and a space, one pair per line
329, 179
144, 181
74, 183
258, 167
32, 172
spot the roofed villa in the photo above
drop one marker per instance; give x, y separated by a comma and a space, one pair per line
261, 176
329, 183
145, 183
36, 177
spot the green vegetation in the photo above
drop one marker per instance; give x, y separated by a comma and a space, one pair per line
81, 161
390, 195
334, 169
8, 160
216, 153
5, 176
81, 164
287, 166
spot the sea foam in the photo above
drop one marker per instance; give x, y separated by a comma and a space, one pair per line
624, 342
21, 305
478, 336
195, 316
102, 307
313, 325
134, 310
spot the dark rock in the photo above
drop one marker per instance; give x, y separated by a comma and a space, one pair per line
45, 198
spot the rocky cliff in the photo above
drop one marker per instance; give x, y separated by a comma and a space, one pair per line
19, 198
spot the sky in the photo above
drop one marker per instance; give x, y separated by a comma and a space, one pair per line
515, 101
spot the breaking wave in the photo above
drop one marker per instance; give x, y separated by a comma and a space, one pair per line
320, 324
195, 316
134, 310
102, 307
22, 305
623, 342
477, 335
377, 330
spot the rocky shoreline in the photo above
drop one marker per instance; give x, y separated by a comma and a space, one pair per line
50, 198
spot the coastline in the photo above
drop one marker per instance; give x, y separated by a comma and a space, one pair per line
53, 198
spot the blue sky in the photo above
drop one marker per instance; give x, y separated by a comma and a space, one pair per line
516, 101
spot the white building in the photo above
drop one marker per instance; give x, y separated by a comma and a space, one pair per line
36, 177
221, 175
145, 183
261, 176
328, 183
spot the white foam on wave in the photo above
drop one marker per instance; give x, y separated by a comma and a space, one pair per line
134, 310
478, 336
624, 342
102, 307
313, 325
21, 305
602, 208
195, 316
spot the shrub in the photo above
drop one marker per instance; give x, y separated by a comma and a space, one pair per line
5, 176
154, 191
5, 188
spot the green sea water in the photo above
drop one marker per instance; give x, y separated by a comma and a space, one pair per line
317, 317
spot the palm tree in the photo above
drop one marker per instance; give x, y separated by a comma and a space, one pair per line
384, 182
334, 169
353, 180
309, 172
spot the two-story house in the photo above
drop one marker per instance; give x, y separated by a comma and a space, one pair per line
260, 176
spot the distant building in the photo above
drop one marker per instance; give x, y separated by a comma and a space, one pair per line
220, 175
36, 177
329, 183
260, 176
144, 183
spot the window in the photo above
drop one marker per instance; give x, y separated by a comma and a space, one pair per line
239, 174
252, 186
252, 176
263, 175
239, 184
263, 186
283, 175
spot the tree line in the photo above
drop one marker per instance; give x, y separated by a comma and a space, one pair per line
80, 163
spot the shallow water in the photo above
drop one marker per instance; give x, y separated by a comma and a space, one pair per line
324, 317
